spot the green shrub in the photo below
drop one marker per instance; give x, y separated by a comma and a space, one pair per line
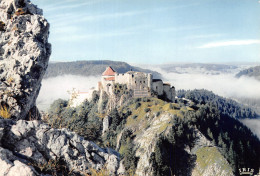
2, 26
137, 105
95, 96
127, 151
176, 108
147, 110
58, 106
116, 119
145, 99
134, 116
137, 100
83, 120
52, 167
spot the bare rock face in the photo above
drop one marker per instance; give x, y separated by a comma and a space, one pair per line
24, 55
25, 142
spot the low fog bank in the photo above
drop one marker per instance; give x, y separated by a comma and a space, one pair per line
226, 85
253, 124
58, 87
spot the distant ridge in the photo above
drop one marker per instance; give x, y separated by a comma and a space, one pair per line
250, 72
91, 68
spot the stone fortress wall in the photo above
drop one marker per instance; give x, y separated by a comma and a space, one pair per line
135, 80
141, 83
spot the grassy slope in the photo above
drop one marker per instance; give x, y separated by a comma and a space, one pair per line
206, 156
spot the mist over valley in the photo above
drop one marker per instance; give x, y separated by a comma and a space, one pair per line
218, 78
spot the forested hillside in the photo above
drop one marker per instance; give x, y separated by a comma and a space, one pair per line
224, 105
250, 72
91, 68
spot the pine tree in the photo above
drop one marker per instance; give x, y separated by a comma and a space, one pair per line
209, 133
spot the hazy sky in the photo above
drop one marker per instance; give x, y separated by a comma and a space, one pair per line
154, 31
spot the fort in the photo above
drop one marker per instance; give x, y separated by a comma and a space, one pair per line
142, 85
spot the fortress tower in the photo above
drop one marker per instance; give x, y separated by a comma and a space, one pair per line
108, 80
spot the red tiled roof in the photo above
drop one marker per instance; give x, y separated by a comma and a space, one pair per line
109, 72
110, 79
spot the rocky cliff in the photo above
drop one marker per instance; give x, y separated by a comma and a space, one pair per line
31, 147
27, 147
24, 55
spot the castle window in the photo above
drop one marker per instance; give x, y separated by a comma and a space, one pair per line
140, 81
144, 81
135, 81
132, 76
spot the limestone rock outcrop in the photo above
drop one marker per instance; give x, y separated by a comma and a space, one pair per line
24, 55
26, 147
24, 142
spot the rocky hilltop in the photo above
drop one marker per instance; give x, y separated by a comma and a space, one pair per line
24, 56
155, 137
